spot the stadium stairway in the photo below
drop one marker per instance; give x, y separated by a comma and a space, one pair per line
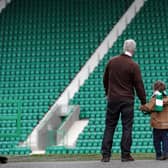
43, 45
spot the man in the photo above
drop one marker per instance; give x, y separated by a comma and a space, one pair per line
122, 76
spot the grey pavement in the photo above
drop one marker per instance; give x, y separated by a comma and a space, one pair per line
88, 164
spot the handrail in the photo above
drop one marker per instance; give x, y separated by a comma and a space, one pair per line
16, 117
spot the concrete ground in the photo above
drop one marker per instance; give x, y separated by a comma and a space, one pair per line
88, 164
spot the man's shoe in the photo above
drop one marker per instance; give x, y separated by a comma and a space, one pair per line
127, 158
166, 156
3, 159
160, 158
105, 159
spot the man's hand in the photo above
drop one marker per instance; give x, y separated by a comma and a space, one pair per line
144, 108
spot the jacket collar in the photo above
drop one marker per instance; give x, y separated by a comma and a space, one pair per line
128, 53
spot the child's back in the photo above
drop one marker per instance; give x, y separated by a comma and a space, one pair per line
159, 120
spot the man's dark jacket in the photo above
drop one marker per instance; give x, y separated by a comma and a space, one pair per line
121, 77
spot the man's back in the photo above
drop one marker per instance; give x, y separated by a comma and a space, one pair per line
121, 76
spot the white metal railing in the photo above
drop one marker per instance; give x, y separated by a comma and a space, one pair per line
89, 66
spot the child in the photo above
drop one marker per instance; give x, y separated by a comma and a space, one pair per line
158, 108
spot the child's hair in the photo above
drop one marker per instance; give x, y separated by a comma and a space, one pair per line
159, 85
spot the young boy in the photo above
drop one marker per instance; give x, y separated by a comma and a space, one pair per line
158, 108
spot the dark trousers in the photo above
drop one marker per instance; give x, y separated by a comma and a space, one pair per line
160, 141
114, 109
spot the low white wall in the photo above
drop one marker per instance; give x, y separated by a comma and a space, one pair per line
40, 138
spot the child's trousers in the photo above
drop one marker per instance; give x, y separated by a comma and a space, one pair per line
160, 141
